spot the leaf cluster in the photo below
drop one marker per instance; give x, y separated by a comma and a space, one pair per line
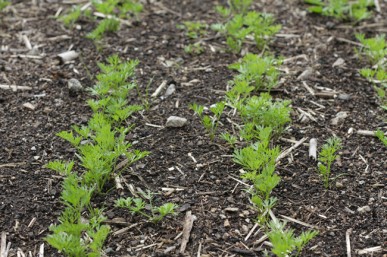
242, 24
137, 206
379, 134
193, 29
327, 156
194, 49
263, 112
210, 122
99, 145
3, 4
260, 72
342, 9
285, 242
375, 49
234, 7
113, 11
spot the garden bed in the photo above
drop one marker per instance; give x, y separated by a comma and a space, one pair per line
184, 167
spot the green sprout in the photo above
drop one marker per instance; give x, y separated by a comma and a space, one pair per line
113, 11
3, 4
195, 48
98, 146
137, 206
327, 156
285, 242
261, 72
263, 112
379, 79
379, 134
342, 9
193, 29
375, 49
210, 123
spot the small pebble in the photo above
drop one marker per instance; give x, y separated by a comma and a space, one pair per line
339, 185
344, 97
74, 86
170, 90
364, 209
175, 122
340, 116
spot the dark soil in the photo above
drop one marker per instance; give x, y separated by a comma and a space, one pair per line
208, 186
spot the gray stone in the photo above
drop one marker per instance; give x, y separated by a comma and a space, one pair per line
170, 90
340, 116
364, 209
74, 86
175, 122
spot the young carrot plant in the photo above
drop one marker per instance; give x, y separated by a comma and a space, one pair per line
259, 26
137, 206
342, 9
258, 161
263, 112
379, 78
3, 4
194, 49
193, 29
261, 72
234, 7
99, 144
210, 123
327, 156
379, 134
241, 24
284, 242
375, 49
112, 12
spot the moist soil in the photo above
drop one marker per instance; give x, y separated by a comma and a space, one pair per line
184, 166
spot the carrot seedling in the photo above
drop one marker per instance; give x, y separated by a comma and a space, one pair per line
327, 156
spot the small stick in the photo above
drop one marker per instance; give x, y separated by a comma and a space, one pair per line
313, 148
326, 94
3, 245
188, 223
377, 6
153, 125
251, 231
310, 90
193, 158
289, 150
369, 250
26, 56
41, 250
199, 249
367, 133
14, 87
263, 238
298, 222
161, 87
348, 241
301, 56
32, 222
27, 42
340, 39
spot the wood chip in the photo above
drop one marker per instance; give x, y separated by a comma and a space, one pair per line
348, 241
289, 150
188, 223
313, 148
161, 87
